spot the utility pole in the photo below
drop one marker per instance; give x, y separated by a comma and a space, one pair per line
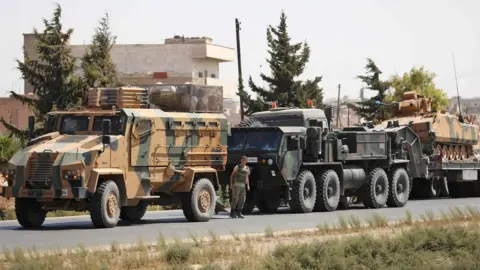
338, 107
239, 60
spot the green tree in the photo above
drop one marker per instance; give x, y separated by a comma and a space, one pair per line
8, 147
421, 81
287, 62
367, 108
52, 75
97, 65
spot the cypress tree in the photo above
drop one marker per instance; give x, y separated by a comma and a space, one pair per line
287, 62
367, 108
52, 75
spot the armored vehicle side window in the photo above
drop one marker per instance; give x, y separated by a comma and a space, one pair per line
116, 120
72, 123
144, 125
236, 141
263, 140
50, 123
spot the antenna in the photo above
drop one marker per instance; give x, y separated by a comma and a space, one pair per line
458, 94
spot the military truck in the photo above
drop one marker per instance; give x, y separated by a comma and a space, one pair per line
448, 141
315, 169
120, 155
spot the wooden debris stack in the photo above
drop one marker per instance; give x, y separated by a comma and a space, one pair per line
122, 97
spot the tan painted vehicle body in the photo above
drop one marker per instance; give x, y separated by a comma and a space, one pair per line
115, 169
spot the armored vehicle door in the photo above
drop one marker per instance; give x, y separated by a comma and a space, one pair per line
141, 142
290, 156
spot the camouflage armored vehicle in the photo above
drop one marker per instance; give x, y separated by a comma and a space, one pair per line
441, 133
119, 156
312, 168
447, 140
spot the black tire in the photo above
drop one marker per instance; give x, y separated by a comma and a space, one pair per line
134, 213
328, 192
105, 206
457, 189
375, 193
249, 202
250, 123
304, 193
269, 206
344, 203
198, 205
399, 188
433, 187
29, 213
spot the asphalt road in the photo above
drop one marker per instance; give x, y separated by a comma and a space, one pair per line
68, 232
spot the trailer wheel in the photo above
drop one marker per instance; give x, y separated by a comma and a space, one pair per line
134, 213
399, 188
105, 206
29, 213
304, 193
269, 205
328, 192
198, 205
375, 193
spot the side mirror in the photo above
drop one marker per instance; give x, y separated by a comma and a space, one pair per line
31, 126
106, 130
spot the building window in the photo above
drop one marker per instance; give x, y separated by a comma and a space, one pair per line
200, 74
213, 75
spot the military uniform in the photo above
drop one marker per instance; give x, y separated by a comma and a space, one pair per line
239, 191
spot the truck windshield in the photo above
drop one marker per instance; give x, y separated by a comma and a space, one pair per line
254, 140
72, 123
282, 120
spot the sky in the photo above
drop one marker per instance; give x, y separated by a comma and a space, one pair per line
397, 35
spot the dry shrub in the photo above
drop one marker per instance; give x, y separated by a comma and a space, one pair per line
420, 248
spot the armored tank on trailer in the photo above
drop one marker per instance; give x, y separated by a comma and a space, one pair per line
441, 133
118, 156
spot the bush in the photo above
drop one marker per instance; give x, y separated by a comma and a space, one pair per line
438, 247
178, 253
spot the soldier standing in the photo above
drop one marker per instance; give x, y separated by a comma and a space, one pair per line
239, 184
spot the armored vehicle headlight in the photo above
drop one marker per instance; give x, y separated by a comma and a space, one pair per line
270, 161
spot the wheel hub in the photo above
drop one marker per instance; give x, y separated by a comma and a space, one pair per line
379, 188
330, 192
204, 200
112, 205
306, 192
399, 187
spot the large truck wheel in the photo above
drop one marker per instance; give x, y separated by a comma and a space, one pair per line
29, 213
328, 192
399, 188
198, 205
134, 213
269, 205
375, 193
304, 193
249, 202
105, 206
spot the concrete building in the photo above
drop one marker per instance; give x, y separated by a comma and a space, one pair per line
178, 60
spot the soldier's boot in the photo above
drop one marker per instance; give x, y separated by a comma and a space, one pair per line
233, 213
239, 213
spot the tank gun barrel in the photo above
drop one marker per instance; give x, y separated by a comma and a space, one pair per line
392, 105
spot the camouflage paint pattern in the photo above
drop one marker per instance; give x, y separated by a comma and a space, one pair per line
441, 132
158, 152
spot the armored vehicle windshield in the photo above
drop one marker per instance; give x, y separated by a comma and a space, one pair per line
248, 140
79, 123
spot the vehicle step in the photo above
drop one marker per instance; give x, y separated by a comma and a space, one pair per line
147, 197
